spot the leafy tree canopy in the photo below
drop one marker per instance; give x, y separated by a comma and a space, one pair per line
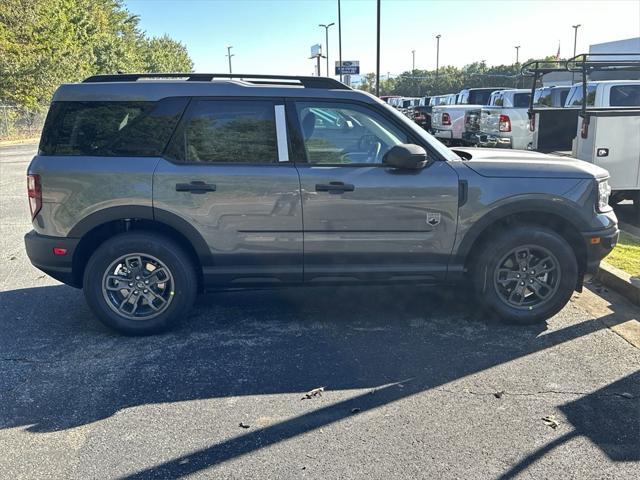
44, 43
450, 79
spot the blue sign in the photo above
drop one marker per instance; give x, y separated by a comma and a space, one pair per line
348, 68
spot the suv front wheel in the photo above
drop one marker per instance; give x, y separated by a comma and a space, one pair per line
139, 283
526, 274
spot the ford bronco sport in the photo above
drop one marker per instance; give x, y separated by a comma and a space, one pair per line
150, 188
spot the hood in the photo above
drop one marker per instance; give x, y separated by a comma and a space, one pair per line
501, 163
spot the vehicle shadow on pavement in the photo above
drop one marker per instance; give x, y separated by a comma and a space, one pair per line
62, 369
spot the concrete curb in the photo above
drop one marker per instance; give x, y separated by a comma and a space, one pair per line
24, 141
620, 281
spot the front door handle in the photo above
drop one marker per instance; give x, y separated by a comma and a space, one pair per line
334, 187
195, 187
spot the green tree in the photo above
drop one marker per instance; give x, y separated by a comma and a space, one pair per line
164, 54
44, 43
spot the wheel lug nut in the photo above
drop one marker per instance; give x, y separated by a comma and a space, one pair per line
518, 276
137, 277
135, 292
146, 291
131, 284
146, 282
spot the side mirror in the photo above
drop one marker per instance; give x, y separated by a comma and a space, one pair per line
405, 156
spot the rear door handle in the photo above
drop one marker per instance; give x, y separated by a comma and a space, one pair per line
195, 187
334, 187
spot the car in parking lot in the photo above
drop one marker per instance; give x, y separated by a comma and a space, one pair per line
150, 188
504, 123
448, 121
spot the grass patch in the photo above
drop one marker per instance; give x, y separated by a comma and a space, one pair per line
626, 255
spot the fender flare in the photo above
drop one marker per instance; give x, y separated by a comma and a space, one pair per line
169, 219
514, 207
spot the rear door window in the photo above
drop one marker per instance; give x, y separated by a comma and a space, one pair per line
228, 131
138, 129
624, 96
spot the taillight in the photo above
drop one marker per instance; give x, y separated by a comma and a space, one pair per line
584, 128
446, 119
34, 191
532, 123
504, 124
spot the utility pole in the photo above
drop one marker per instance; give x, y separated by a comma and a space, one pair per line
413, 61
326, 43
339, 41
378, 55
229, 54
437, 56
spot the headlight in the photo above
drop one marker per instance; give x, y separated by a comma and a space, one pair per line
604, 190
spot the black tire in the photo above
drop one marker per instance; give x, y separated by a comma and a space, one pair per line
178, 288
493, 289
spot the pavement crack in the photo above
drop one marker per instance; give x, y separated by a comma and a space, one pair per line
530, 394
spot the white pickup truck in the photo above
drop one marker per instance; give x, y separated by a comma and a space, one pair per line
448, 121
504, 123
608, 133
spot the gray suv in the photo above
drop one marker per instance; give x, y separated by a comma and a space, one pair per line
148, 189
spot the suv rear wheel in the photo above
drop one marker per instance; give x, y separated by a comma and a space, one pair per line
526, 274
139, 283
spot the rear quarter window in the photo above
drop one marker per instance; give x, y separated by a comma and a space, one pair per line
110, 128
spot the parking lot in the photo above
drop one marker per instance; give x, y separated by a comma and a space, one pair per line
417, 383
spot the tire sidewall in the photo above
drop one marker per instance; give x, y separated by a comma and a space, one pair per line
164, 249
495, 251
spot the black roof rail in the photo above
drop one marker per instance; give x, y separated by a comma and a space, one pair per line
534, 67
306, 82
595, 61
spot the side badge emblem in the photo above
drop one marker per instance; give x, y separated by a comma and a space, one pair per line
433, 218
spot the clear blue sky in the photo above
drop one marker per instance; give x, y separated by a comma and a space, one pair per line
274, 36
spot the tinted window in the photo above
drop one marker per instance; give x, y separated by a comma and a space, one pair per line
479, 97
576, 96
227, 131
542, 98
521, 100
625, 96
361, 136
110, 128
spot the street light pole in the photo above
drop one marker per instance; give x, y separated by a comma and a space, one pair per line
339, 41
437, 56
413, 61
229, 54
575, 37
378, 55
326, 43
517, 47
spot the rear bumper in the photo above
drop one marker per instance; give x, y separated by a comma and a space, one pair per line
40, 252
486, 140
445, 134
598, 245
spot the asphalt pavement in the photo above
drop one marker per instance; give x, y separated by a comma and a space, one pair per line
417, 383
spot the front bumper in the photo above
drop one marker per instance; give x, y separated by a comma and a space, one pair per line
598, 245
40, 252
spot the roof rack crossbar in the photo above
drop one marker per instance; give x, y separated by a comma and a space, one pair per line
306, 82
